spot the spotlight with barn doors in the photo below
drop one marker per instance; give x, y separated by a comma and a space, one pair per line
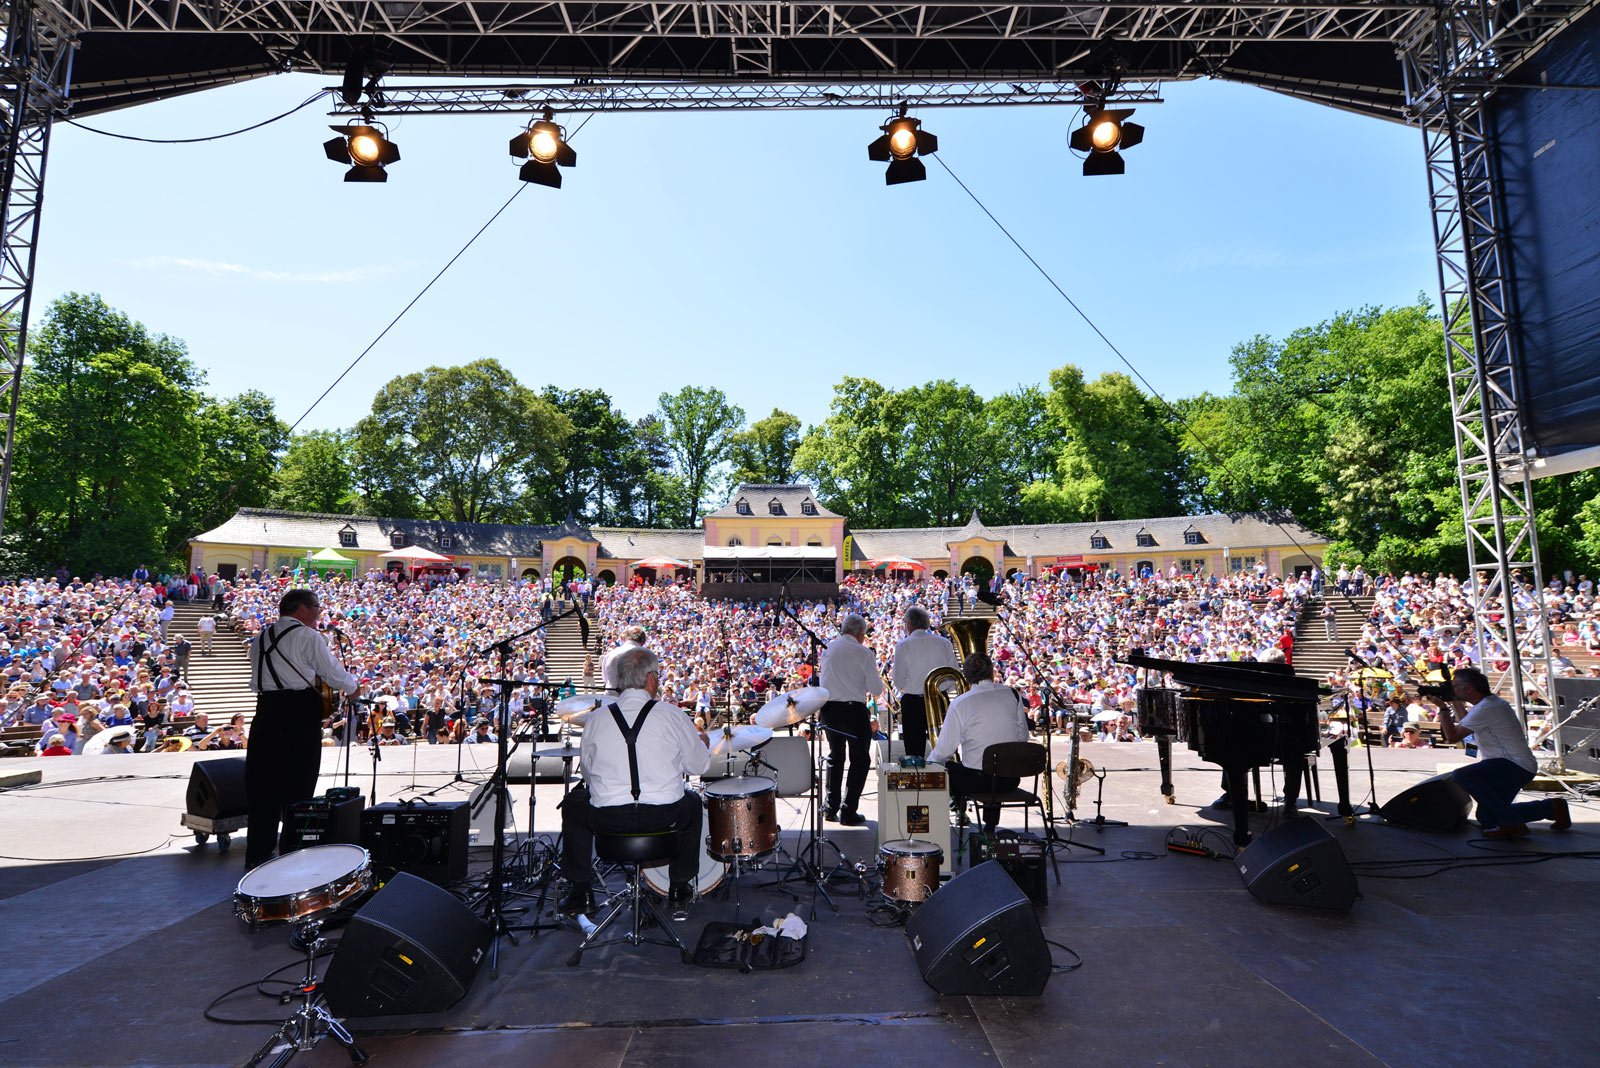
544, 146
366, 148
1104, 133
902, 142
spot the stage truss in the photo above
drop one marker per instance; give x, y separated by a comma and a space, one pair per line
701, 55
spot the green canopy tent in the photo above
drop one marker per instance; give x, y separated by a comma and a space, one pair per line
327, 560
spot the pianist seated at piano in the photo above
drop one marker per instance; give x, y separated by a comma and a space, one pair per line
985, 715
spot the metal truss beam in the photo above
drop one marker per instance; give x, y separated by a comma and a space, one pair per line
1450, 72
750, 23
724, 96
35, 66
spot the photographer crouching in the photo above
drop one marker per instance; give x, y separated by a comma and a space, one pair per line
1505, 762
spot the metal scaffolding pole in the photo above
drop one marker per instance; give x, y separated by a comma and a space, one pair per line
1451, 70
35, 70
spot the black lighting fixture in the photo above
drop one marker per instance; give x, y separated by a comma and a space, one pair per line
366, 148
544, 146
902, 142
1104, 134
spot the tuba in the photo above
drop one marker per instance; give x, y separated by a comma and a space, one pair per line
968, 635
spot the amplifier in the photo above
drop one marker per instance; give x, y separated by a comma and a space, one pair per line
323, 821
915, 803
1022, 858
425, 840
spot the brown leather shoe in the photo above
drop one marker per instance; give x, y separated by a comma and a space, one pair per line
1563, 817
1507, 830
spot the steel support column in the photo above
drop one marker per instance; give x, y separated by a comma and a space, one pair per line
1450, 71
35, 69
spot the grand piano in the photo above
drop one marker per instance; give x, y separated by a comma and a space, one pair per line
1241, 716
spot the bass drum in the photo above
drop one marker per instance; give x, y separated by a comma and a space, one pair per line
709, 877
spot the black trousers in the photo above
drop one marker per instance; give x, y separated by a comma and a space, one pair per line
580, 820
978, 785
914, 724
840, 718
281, 765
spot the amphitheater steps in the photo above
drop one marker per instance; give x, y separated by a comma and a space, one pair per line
220, 682
1314, 654
564, 653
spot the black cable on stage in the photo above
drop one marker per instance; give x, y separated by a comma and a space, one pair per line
313, 98
1061, 969
1240, 483
521, 187
268, 978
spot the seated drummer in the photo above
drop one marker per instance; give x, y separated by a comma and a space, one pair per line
986, 714
635, 752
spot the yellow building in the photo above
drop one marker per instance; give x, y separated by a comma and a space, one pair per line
765, 537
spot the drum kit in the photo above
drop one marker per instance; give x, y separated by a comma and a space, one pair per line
300, 890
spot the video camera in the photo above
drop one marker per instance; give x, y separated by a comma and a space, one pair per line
1442, 690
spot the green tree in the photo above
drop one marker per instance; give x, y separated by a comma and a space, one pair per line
317, 474
953, 469
652, 494
700, 423
1024, 448
765, 451
466, 441
593, 475
1119, 456
239, 443
858, 459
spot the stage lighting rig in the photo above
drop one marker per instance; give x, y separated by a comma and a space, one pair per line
1104, 133
366, 148
544, 146
902, 142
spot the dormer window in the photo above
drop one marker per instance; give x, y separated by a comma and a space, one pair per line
735, 541
1193, 537
397, 540
774, 540
1145, 539
808, 507
742, 506
1099, 541
447, 542
347, 538
774, 507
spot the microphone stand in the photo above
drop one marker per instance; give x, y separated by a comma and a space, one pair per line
1341, 766
1051, 835
496, 911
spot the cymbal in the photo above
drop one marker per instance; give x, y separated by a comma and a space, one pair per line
790, 708
576, 706
738, 740
565, 752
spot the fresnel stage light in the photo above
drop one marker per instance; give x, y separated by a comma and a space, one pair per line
544, 146
367, 150
902, 142
1104, 134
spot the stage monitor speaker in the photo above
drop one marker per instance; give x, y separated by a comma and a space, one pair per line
521, 767
323, 820
1578, 735
216, 789
412, 948
429, 840
977, 935
1298, 863
1436, 804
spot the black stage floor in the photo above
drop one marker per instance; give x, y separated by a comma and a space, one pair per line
1181, 965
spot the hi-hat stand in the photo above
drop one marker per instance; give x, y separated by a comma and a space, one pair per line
495, 911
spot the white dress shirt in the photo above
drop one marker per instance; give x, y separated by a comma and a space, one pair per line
850, 670
301, 655
1499, 733
917, 654
986, 714
608, 664
668, 748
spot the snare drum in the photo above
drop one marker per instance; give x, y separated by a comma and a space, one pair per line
742, 815
707, 879
910, 870
302, 884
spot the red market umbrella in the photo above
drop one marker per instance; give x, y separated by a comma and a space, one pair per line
897, 563
660, 562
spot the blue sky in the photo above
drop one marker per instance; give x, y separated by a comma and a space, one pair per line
760, 253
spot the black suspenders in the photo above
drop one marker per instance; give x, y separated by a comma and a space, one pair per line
267, 651
631, 736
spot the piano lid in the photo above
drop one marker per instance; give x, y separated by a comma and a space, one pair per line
1247, 677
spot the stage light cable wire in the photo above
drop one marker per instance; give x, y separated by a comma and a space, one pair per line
313, 98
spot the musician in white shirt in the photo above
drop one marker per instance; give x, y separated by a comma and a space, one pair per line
850, 675
983, 716
918, 653
281, 764
635, 784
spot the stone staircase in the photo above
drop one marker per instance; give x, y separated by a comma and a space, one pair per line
564, 652
1314, 654
219, 682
